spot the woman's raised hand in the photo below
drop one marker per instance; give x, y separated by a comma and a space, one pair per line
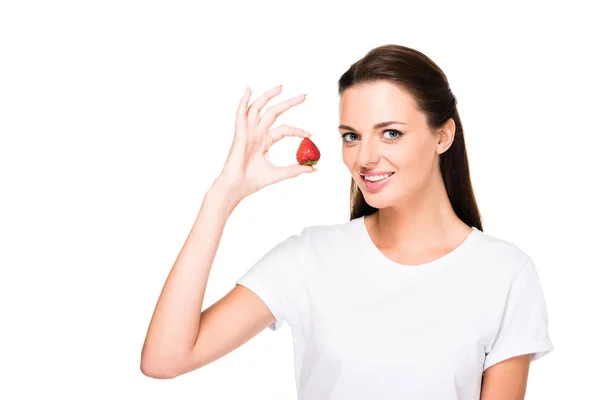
248, 169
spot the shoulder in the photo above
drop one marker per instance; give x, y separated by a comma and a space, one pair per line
498, 257
325, 238
329, 231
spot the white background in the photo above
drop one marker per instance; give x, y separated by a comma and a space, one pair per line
116, 116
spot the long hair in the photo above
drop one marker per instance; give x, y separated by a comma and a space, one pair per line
428, 85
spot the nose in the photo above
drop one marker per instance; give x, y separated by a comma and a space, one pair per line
367, 153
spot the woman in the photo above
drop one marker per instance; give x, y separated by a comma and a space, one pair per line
409, 299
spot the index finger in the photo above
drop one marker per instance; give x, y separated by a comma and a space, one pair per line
260, 103
275, 111
241, 111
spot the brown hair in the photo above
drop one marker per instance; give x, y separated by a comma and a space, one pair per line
429, 86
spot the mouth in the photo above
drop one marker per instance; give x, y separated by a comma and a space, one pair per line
375, 182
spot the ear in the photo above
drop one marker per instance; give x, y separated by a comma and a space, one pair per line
445, 136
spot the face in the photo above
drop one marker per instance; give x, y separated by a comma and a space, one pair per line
401, 157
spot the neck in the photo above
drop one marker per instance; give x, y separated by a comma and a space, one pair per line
425, 218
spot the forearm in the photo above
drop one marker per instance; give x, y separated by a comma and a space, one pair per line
175, 323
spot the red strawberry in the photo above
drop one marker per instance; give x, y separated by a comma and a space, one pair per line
308, 153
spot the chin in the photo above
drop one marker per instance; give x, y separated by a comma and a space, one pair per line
378, 200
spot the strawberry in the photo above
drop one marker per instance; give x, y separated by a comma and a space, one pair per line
308, 153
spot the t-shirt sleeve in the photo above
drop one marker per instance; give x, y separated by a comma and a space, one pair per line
275, 279
524, 325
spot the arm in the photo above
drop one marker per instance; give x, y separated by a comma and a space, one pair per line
522, 338
506, 380
180, 337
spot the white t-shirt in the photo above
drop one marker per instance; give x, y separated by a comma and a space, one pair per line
366, 327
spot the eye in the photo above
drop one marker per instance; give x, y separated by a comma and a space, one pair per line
396, 134
345, 137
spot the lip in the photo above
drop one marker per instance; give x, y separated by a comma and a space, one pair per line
371, 173
373, 186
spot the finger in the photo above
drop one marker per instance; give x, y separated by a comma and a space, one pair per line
276, 134
275, 111
240, 121
292, 171
255, 107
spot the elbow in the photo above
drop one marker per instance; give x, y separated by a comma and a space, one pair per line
156, 370
158, 367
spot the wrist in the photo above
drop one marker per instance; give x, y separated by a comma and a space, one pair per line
222, 192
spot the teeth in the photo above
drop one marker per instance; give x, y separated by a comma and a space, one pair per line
375, 178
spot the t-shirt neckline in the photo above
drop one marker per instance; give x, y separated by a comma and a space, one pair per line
375, 254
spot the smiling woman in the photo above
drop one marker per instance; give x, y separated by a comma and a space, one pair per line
409, 299
404, 147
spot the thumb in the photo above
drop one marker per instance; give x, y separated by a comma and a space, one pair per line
291, 171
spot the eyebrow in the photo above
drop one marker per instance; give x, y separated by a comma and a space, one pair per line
379, 125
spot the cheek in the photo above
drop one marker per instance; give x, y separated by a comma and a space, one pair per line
348, 158
346, 162
402, 158
416, 156
412, 164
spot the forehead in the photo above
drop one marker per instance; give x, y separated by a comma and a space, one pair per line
377, 101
